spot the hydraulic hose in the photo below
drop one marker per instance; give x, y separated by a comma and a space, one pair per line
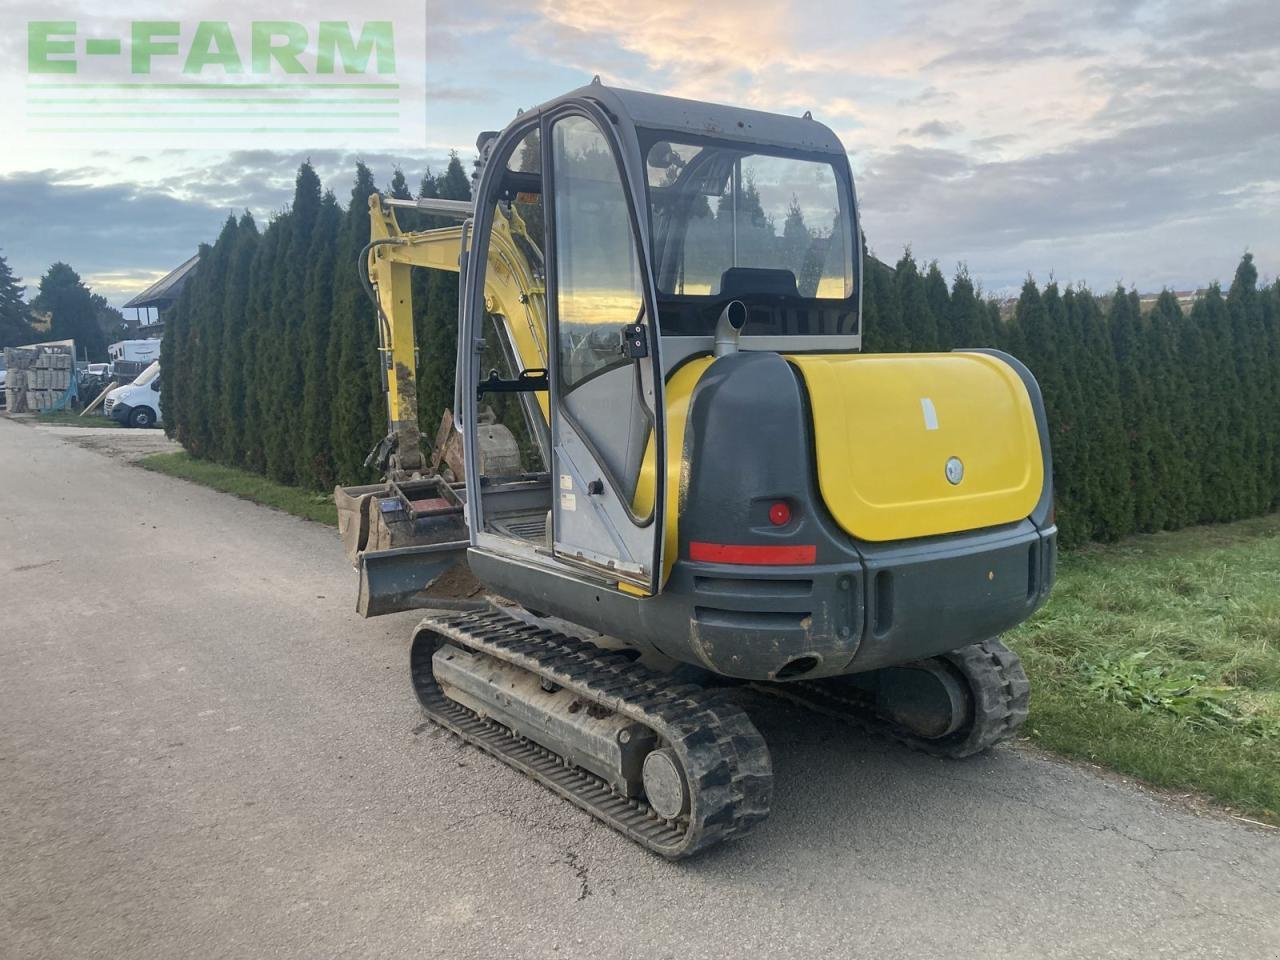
362, 266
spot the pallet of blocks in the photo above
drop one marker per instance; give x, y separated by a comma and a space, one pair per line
38, 376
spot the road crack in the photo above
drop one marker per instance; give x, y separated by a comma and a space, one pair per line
580, 871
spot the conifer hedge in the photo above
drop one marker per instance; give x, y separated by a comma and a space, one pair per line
1159, 418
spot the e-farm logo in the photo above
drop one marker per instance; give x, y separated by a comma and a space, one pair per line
234, 82
282, 44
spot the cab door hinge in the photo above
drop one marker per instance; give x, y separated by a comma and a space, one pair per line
635, 341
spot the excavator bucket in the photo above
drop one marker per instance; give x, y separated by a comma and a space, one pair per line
409, 542
409, 538
353, 517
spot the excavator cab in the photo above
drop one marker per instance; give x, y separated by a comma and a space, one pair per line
706, 478
641, 219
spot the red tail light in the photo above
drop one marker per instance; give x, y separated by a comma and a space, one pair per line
753, 554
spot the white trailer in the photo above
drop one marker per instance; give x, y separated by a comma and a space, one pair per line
130, 357
137, 351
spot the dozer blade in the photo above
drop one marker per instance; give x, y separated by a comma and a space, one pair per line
434, 577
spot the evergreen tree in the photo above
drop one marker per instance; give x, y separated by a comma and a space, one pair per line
284, 389
421, 285
315, 465
172, 357
399, 189
1109, 491
1010, 336
1033, 321
917, 317
15, 328
1042, 320
998, 328
870, 306
1270, 316
205, 373
70, 305
237, 350
1070, 443
885, 330
1249, 337
967, 317
259, 344
1222, 459
356, 381
939, 300
177, 366
1174, 472
437, 355
110, 320
796, 248
1136, 407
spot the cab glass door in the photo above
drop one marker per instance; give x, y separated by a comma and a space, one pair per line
603, 386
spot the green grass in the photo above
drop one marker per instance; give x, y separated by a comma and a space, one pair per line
249, 486
1160, 657
66, 418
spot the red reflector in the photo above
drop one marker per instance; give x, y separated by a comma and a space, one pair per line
431, 505
752, 554
780, 514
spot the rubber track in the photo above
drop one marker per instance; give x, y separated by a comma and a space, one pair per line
998, 691
725, 760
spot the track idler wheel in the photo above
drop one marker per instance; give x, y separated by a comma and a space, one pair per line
953, 705
957, 704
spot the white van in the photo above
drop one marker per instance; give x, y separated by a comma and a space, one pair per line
137, 404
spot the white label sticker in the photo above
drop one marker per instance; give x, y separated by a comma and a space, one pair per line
930, 414
568, 501
566, 482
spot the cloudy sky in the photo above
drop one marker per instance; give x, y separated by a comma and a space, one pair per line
1093, 140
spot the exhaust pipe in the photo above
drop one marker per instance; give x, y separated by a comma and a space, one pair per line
729, 327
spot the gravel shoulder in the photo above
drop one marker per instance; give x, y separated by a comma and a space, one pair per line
121, 443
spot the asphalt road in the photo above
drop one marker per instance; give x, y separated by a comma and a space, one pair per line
204, 752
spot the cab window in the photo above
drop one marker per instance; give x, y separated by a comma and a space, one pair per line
597, 270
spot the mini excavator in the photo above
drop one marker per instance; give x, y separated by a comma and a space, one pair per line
702, 482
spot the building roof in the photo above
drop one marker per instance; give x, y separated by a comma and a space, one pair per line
165, 290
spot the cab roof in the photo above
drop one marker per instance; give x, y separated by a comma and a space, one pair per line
708, 119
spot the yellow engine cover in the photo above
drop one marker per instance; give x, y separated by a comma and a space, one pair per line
911, 445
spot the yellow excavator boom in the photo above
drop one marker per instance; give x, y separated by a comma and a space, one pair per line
515, 295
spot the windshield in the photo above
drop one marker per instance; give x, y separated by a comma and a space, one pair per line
147, 375
716, 207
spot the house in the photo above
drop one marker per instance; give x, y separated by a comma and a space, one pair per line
160, 296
